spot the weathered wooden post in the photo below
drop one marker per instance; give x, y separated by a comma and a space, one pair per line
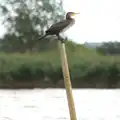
67, 81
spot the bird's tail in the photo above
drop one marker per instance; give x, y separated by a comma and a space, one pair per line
42, 37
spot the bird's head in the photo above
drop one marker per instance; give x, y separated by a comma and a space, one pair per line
70, 14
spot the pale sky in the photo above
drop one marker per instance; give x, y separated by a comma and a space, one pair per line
99, 20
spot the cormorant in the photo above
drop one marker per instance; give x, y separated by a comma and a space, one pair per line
61, 26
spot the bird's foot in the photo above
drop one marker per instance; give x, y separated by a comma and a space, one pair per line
61, 39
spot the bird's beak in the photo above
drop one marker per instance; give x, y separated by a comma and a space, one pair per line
75, 14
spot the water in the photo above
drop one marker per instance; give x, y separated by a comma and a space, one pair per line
51, 104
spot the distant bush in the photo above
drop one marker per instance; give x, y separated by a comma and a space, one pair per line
109, 48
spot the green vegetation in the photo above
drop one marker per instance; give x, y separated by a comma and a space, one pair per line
85, 65
23, 58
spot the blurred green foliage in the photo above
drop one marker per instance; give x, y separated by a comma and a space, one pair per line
85, 64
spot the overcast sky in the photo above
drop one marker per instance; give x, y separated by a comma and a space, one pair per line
99, 20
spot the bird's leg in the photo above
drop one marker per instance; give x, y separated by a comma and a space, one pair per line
60, 38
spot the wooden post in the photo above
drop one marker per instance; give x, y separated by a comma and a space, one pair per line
67, 81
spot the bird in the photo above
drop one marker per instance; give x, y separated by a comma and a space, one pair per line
61, 26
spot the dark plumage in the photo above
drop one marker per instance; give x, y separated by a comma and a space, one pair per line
61, 26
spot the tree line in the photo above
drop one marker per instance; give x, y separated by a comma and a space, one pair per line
109, 48
25, 21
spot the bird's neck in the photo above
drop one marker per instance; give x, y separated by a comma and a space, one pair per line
68, 18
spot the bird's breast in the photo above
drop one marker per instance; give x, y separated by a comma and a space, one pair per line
71, 23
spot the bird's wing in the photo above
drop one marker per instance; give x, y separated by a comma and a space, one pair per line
60, 25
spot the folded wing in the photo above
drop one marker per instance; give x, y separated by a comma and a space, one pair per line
59, 27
